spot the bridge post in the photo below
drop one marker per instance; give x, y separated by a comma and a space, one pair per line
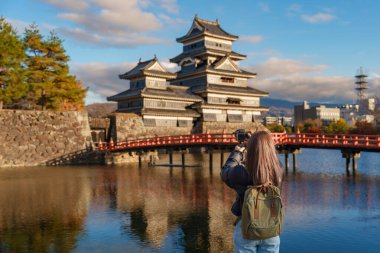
152, 160
294, 162
210, 151
170, 157
183, 158
351, 154
286, 161
354, 165
348, 164
286, 151
221, 158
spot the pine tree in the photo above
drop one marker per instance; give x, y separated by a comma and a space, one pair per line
51, 85
12, 82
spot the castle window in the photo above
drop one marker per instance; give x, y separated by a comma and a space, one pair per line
233, 101
227, 80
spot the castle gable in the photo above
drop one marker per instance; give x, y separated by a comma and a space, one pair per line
156, 66
227, 64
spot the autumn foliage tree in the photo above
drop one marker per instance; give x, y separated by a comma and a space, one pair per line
51, 85
363, 127
12, 82
310, 126
35, 70
336, 127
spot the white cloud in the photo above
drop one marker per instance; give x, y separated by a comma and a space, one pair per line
103, 78
294, 8
21, 25
254, 39
169, 5
278, 67
68, 4
268, 52
116, 41
318, 18
92, 97
264, 7
313, 88
18, 25
297, 81
117, 23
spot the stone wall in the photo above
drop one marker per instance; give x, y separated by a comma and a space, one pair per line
126, 126
227, 127
31, 138
165, 131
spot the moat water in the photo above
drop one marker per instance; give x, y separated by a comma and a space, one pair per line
162, 209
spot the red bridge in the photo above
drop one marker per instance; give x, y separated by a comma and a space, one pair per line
283, 140
350, 145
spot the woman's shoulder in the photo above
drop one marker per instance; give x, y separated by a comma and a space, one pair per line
239, 175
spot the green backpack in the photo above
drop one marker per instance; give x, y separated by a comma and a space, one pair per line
261, 212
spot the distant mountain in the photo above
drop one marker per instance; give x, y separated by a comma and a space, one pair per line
272, 102
100, 110
281, 107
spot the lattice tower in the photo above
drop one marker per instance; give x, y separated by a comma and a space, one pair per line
361, 84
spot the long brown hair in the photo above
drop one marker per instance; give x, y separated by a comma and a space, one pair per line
262, 163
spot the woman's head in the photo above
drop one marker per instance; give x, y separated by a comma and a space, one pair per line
262, 163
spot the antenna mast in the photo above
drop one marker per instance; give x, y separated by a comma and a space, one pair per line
361, 85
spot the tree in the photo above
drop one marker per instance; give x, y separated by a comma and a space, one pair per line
275, 128
310, 126
51, 85
337, 127
363, 127
12, 83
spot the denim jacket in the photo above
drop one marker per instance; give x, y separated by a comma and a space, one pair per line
236, 177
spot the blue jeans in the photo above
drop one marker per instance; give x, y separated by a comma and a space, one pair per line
270, 245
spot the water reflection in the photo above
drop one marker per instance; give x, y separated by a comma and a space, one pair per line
158, 209
41, 213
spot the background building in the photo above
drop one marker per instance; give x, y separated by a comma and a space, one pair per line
281, 120
321, 112
349, 113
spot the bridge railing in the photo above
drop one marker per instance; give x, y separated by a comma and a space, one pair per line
194, 139
302, 139
341, 140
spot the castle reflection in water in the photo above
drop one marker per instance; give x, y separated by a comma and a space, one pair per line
53, 209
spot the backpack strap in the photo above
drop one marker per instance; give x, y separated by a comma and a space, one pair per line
262, 188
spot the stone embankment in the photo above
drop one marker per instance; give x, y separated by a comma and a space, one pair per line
127, 126
31, 138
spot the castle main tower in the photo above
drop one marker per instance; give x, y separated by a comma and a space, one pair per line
210, 68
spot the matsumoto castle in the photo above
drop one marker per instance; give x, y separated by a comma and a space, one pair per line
210, 88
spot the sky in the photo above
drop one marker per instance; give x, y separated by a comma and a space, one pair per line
300, 50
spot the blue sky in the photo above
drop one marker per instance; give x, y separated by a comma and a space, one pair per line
300, 49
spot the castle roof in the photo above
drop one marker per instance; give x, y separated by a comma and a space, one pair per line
202, 27
172, 92
207, 51
166, 112
151, 67
228, 89
224, 66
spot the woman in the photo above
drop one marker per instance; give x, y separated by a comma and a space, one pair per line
256, 165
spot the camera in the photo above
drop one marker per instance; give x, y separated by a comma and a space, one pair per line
241, 135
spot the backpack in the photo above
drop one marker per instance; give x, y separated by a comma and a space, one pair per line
261, 212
